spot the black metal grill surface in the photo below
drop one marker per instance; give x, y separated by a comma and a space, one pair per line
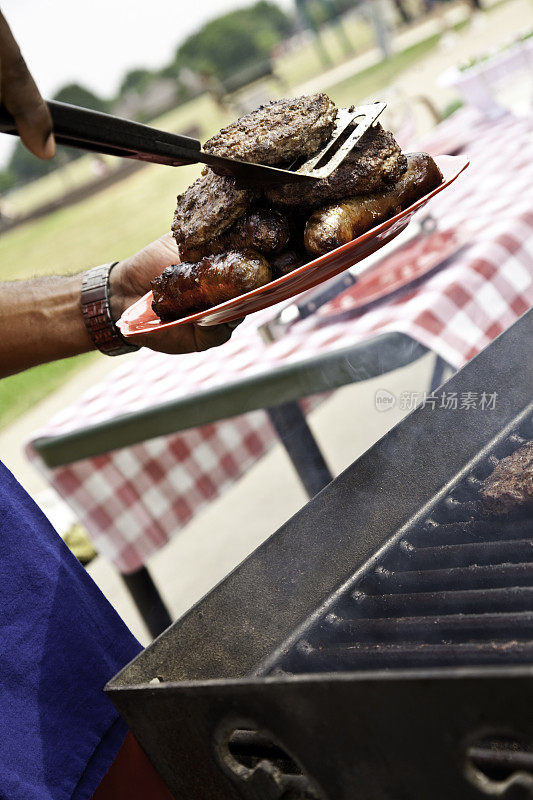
454, 588
379, 646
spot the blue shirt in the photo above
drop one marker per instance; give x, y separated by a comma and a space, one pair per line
60, 642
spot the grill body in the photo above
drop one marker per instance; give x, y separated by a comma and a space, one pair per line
380, 644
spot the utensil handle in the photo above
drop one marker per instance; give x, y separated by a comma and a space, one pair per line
330, 291
104, 133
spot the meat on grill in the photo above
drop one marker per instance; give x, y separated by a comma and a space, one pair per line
185, 288
263, 229
209, 207
278, 132
339, 223
509, 487
375, 164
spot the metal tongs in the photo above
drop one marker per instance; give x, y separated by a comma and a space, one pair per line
103, 133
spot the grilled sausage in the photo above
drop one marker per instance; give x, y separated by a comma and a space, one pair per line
263, 229
422, 175
339, 223
185, 288
285, 262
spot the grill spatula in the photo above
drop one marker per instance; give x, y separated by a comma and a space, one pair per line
103, 133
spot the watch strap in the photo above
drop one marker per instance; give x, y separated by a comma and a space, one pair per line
96, 310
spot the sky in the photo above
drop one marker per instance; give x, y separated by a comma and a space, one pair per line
95, 43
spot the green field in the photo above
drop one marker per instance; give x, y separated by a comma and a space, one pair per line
305, 62
125, 217
20, 392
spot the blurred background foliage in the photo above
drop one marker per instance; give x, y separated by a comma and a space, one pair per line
234, 48
235, 40
223, 46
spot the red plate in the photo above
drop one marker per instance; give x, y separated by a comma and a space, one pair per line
141, 319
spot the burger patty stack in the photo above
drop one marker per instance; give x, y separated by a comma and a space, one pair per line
233, 239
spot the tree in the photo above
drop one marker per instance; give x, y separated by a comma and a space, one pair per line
233, 41
26, 167
78, 95
136, 80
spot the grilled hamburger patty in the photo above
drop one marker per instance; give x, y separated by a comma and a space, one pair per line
185, 288
263, 229
510, 486
209, 207
278, 132
375, 164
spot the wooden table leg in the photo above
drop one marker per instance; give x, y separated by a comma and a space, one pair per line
291, 426
148, 600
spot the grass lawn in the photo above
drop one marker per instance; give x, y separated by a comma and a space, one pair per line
200, 112
20, 392
123, 218
375, 78
305, 62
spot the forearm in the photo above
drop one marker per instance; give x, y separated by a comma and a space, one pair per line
40, 321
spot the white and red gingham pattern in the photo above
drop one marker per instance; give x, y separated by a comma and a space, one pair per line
134, 499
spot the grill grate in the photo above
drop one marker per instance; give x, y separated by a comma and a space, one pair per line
454, 589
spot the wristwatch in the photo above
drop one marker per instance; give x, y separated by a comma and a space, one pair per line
96, 310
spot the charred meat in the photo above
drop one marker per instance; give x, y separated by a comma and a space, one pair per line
232, 239
509, 488
421, 176
263, 229
374, 165
339, 223
276, 133
279, 132
209, 207
286, 262
185, 288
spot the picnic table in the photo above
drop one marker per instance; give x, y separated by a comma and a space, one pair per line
138, 455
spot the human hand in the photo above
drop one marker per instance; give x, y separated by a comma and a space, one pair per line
21, 97
130, 280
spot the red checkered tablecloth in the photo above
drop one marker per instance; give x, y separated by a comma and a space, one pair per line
134, 499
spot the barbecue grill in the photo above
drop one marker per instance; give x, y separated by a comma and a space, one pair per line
379, 646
